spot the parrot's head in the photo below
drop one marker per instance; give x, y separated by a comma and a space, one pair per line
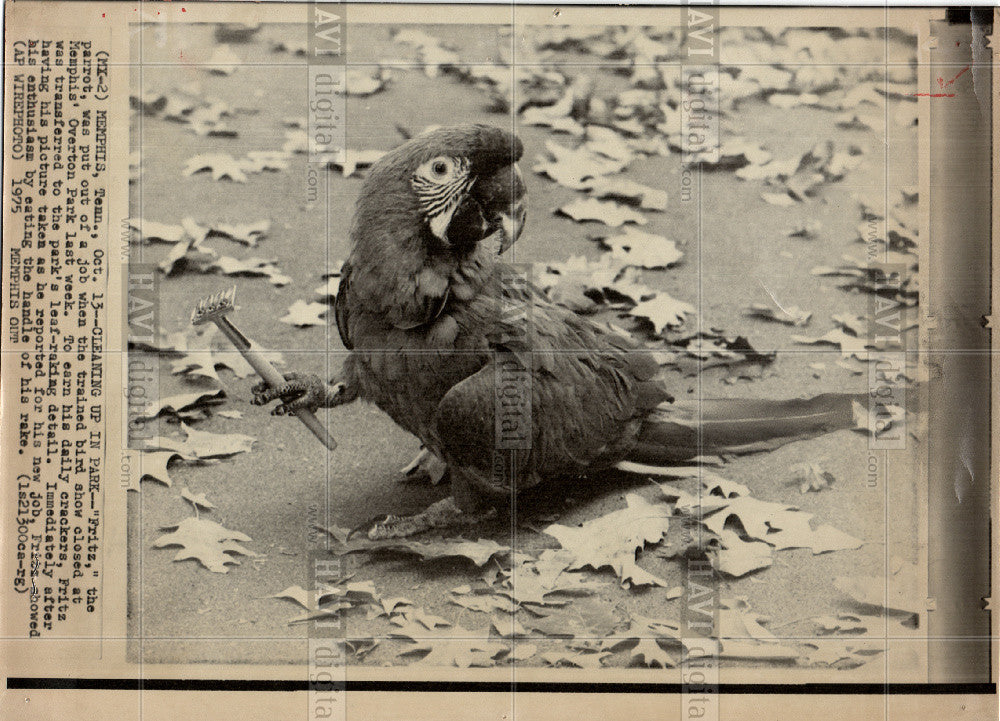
459, 185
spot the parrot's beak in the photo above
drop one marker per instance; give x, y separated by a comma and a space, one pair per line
511, 225
501, 196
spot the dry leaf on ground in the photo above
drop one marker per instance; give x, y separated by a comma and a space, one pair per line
212, 545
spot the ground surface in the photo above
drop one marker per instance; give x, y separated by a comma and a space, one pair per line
737, 255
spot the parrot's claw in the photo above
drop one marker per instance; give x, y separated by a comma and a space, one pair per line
302, 391
426, 467
443, 514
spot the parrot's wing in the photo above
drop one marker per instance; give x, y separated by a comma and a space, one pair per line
340, 306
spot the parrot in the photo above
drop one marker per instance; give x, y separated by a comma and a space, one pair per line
504, 386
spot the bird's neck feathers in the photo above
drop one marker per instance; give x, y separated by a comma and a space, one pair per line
402, 272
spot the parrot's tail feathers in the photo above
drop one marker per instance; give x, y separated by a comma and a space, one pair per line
680, 431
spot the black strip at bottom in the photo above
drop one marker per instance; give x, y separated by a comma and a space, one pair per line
178, 684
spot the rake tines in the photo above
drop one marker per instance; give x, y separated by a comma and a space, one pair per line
213, 306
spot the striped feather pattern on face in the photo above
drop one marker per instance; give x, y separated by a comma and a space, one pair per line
441, 184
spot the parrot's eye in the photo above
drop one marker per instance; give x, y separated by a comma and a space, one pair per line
442, 169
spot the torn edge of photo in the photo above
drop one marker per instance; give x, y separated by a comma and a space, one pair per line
497, 361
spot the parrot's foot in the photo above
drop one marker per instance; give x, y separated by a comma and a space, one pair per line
425, 468
302, 391
443, 514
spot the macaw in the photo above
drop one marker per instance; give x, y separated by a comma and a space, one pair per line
506, 387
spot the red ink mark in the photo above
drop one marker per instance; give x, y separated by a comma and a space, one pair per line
941, 84
183, 10
103, 15
957, 76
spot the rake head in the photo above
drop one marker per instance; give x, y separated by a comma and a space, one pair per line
214, 306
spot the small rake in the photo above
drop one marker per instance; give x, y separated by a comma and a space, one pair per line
215, 308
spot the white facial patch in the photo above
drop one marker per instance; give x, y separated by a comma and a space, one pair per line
441, 185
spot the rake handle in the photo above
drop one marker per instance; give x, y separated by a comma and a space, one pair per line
272, 377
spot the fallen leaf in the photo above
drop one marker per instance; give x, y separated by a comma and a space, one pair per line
479, 552
647, 652
613, 540
220, 165
854, 120
391, 605
483, 603
808, 229
774, 170
774, 524
645, 250
607, 212
844, 623
187, 255
628, 191
663, 312
148, 230
259, 161
628, 287
810, 477
182, 402
455, 646
197, 500
507, 626
608, 143
738, 649
576, 660
556, 116
737, 557
433, 54
153, 464
295, 47
837, 654
303, 315
355, 160
362, 646
361, 81
532, 584
570, 282
576, 168
782, 199
328, 291
793, 315
202, 444
849, 345
212, 545
734, 153
245, 233
251, 267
